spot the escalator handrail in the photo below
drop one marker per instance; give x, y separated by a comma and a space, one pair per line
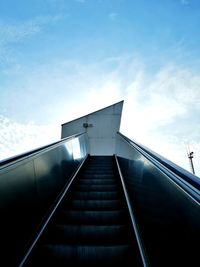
141, 247
51, 213
187, 181
9, 161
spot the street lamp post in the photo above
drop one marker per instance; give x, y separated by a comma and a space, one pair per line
190, 156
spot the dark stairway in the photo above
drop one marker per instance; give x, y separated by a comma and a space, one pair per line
92, 225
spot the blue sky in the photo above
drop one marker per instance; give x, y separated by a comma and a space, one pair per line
61, 59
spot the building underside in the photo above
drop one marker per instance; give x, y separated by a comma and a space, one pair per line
97, 198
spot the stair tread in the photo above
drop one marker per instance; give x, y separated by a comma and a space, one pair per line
95, 195
89, 234
97, 181
98, 217
95, 204
96, 187
65, 254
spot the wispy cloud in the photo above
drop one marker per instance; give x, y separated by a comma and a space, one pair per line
113, 16
169, 94
184, 2
12, 32
16, 138
161, 109
80, 1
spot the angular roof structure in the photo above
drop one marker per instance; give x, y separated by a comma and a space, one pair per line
101, 127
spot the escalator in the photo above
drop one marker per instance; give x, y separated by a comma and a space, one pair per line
92, 225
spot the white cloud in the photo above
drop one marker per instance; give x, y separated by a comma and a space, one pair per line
81, 1
161, 109
172, 93
160, 112
11, 33
16, 138
113, 16
184, 2
14, 31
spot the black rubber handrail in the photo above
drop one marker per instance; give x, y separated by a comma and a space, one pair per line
185, 180
36, 151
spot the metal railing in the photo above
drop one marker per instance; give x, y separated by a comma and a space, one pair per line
140, 244
50, 215
29, 184
166, 204
187, 181
36, 151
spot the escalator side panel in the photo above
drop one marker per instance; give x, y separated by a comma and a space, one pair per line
168, 218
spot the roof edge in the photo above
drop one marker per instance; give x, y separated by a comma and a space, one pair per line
122, 101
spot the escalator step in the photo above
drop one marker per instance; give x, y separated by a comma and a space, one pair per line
93, 217
95, 204
95, 187
97, 181
99, 166
88, 234
64, 255
96, 195
97, 176
99, 171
